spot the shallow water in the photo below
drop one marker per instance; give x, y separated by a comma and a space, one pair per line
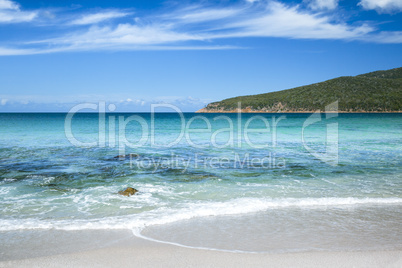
46, 182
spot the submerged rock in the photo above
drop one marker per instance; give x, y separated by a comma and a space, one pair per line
129, 191
126, 156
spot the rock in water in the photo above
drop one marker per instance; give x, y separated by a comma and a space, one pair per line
129, 191
126, 156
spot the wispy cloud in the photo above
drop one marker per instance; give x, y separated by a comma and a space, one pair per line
123, 34
391, 37
99, 17
382, 6
16, 51
200, 27
126, 103
10, 13
280, 20
322, 4
196, 14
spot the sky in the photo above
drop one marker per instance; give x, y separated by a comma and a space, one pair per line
130, 53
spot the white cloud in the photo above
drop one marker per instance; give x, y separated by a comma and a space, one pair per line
289, 22
392, 37
197, 27
10, 13
124, 35
202, 15
323, 4
382, 6
276, 20
99, 17
16, 16
125, 47
132, 102
7, 4
15, 51
122, 103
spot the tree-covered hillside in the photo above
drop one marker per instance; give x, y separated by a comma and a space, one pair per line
379, 91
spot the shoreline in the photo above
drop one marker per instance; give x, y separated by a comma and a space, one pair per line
131, 250
176, 244
272, 239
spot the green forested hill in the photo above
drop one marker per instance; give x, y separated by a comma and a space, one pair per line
379, 91
391, 74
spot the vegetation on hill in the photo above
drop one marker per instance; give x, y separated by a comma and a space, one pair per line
379, 91
390, 74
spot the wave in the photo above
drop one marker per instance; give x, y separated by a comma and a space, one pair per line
164, 215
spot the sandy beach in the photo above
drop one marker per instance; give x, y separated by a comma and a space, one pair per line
121, 249
149, 254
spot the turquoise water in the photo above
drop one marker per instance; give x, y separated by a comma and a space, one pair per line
211, 169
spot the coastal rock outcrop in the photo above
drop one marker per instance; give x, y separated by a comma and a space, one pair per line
128, 191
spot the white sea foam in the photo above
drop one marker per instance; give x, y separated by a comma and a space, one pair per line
164, 215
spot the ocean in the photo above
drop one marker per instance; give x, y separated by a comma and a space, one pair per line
232, 182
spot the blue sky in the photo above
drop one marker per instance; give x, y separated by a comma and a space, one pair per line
55, 54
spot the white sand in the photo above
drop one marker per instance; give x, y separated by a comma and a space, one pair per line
140, 253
